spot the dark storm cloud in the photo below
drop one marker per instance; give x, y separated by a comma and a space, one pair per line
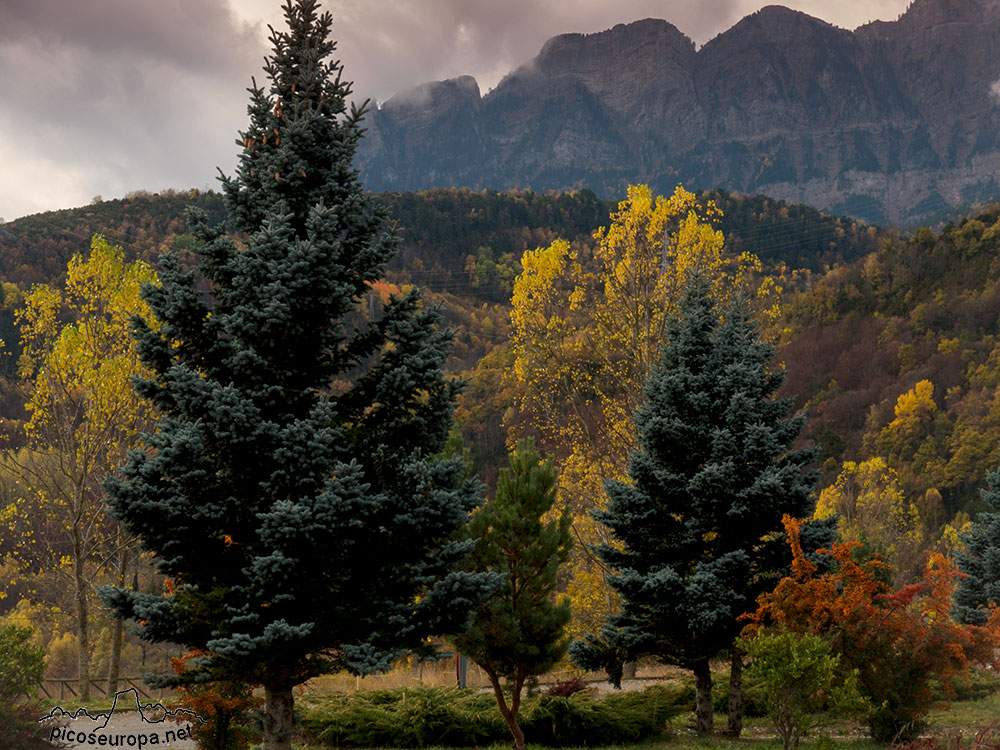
107, 96
390, 45
384, 43
192, 34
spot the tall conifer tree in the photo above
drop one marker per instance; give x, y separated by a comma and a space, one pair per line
291, 493
700, 522
980, 560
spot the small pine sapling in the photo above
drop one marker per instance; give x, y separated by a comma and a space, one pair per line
518, 631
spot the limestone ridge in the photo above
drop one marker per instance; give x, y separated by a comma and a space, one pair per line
888, 122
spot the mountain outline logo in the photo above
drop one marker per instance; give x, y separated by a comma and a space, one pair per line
59, 712
154, 729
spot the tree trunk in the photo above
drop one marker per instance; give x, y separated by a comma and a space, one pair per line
117, 628
279, 716
628, 670
702, 698
735, 725
509, 713
82, 617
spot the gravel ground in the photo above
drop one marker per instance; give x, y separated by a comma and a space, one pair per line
638, 684
128, 726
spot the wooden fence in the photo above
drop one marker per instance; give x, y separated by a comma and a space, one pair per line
68, 687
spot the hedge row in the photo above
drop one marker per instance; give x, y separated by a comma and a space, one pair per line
420, 717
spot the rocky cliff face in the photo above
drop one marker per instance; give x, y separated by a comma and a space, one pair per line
888, 122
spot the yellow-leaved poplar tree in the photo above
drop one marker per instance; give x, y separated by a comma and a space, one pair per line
586, 328
79, 359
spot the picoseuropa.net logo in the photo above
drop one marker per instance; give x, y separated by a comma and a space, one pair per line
128, 724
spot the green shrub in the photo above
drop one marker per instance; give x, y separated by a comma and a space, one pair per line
21, 665
404, 717
582, 719
21, 669
801, 681
420, 717
981, 683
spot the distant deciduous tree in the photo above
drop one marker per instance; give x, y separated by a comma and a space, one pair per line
84, 417
586, 329
872, 510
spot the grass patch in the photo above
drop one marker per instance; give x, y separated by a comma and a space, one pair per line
675, 740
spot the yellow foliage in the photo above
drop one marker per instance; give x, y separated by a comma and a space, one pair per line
61, 656
949, 346
83, 415
47, 622
951, 534
914, 420
592, 599
916, 405
586, 330
82, 370
873, 510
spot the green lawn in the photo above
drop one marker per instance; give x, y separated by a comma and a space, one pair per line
977, 708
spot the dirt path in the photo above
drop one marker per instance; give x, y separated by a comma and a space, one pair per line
130, 724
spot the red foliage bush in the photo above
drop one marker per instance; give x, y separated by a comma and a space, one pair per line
899, 641
224, 707
566, 688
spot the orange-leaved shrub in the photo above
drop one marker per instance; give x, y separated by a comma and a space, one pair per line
223, 706
900, 642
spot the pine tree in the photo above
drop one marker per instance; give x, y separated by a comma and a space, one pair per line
291, 493
980, 560
518, 632
699, 524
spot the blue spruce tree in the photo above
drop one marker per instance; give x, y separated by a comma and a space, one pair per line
980, 560
699, 524
291, 491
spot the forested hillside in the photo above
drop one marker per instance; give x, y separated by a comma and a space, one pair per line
464, 244
897, 357
560, 305
889, 341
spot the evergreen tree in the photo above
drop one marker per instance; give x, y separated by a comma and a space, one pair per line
291, 493
518, 631
980, 560
700, 522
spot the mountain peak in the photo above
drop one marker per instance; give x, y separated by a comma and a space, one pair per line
621, 41
928, 13
781, 103
777, 23
435, 93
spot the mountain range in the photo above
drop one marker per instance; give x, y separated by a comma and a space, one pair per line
890, 122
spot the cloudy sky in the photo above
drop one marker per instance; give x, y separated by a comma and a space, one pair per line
100, 97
